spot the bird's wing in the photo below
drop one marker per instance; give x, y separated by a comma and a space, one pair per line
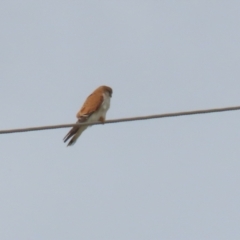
91, 105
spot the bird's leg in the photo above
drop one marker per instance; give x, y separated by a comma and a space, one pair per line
102, 120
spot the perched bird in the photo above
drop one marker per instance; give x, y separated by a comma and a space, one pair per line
94, 109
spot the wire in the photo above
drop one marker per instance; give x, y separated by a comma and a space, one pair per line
174, 114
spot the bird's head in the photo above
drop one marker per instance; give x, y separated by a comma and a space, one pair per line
107, 90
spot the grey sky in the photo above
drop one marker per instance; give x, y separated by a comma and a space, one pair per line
160, 179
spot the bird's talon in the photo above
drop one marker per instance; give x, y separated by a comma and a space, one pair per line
102, 120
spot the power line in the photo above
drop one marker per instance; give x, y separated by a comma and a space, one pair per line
174, 114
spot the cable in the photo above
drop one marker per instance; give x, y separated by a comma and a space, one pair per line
175, 114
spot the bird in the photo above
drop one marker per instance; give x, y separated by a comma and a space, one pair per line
94, 109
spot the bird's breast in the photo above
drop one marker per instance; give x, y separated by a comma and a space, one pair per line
106, 102
102, 110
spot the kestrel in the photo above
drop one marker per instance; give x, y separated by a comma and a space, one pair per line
94, 109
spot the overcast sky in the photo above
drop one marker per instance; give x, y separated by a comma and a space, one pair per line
175, 178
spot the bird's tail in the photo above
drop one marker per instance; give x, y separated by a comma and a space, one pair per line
74, 134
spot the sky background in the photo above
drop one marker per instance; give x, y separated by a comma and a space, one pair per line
174, 178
